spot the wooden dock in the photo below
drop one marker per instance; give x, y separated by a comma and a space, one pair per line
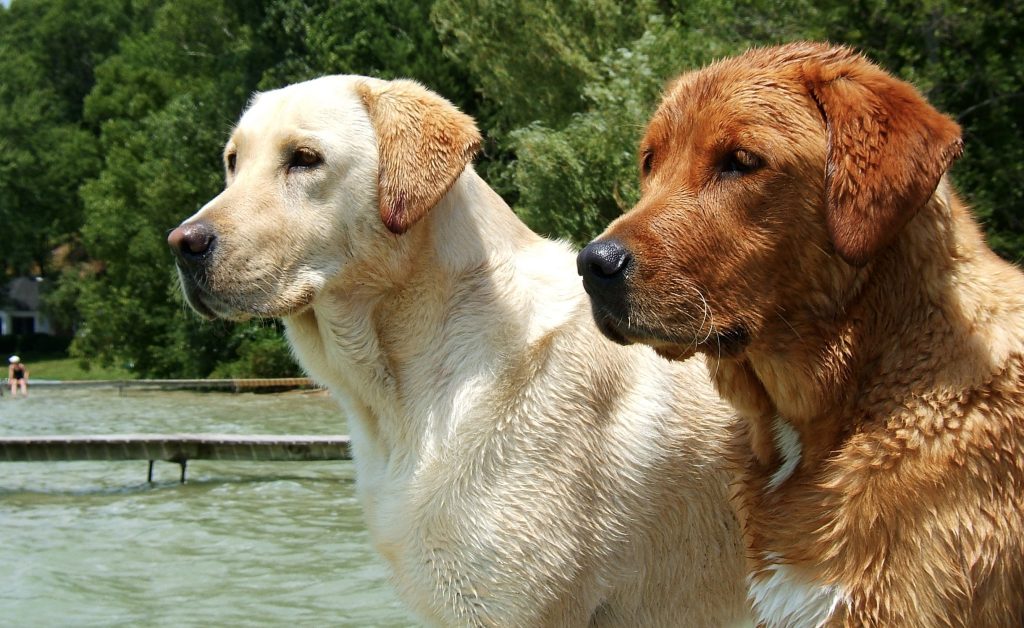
176, 448
269, 384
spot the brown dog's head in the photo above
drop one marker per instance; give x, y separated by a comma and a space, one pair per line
767, 180
322, 177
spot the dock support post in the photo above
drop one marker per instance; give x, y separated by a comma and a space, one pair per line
149, 474
183, 463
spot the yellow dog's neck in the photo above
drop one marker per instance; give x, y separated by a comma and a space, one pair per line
443, 307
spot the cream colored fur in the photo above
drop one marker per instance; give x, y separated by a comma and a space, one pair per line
515, 468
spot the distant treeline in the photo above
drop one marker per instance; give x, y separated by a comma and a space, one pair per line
113, 114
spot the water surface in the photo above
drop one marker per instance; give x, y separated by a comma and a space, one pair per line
240, 544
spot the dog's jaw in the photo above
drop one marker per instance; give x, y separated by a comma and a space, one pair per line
674, 352
212, 305
193, 296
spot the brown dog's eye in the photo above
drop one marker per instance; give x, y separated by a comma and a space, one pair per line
646, 162
304, 159
740, 162
231, 159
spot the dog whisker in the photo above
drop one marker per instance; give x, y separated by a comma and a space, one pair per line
711, 331
778, 313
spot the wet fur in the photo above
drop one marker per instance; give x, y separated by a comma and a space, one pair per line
843, 294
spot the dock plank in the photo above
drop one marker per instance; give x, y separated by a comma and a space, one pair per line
174, 447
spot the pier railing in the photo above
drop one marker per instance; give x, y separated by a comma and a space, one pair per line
176, 448
235, 385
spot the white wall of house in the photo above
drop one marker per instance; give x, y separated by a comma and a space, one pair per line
10, 321
19, 308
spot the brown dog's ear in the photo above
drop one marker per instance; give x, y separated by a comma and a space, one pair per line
424, 144
887, 150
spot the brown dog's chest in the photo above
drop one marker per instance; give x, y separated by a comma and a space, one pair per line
911, 515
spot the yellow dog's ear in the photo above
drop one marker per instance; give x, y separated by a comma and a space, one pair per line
424, 144
887, 150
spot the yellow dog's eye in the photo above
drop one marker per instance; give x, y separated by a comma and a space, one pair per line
740, 162
304, 159
230, 160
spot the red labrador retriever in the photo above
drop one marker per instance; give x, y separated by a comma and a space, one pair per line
795, 225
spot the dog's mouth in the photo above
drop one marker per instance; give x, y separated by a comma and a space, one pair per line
196, 303
202, 301
725, 343
622, 334
239, 299
609, 326
720, 344
211, 306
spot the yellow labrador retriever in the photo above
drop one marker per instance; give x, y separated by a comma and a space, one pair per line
515, 468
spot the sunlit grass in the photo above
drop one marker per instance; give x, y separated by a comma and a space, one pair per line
65, 369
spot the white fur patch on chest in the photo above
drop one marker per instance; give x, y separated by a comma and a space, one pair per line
783, 595
787, 443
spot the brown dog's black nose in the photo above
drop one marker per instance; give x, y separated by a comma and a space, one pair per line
605, 266
603, 262
192, 242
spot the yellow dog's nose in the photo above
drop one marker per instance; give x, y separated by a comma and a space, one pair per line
191, 242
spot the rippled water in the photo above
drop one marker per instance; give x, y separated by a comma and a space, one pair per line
240, 544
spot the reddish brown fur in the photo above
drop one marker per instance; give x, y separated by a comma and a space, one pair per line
844, 288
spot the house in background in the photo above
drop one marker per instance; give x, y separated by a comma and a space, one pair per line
19, 308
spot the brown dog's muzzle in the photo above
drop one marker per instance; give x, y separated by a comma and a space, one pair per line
605, 266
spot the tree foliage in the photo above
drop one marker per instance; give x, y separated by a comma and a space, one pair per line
574, 178
160, 104
113, 114
48, 52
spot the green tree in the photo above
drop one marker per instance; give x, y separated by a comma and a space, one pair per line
43, 159
570, 156
48, 52
163, 105
531, 58
530, 61
387, 39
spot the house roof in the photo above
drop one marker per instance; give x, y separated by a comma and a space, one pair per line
22, 293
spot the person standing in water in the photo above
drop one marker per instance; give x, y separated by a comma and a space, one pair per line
17, 375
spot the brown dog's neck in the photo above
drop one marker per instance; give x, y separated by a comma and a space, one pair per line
913, 318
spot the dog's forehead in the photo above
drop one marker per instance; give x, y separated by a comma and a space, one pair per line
725, 97
760, 76
313, 106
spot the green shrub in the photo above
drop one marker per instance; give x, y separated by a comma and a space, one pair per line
262, 352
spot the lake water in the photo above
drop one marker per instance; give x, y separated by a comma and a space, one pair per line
240, 544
